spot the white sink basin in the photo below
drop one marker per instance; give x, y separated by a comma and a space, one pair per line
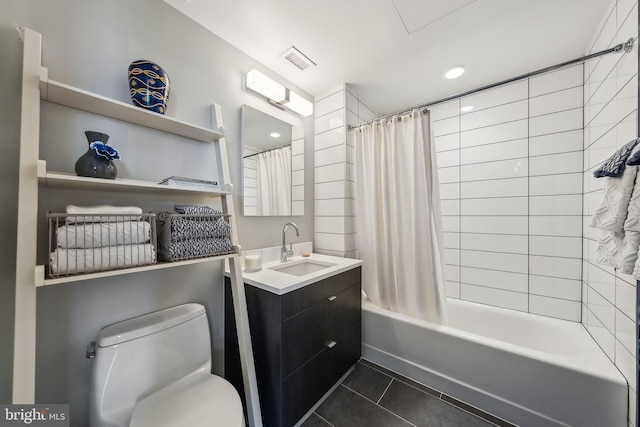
301, 267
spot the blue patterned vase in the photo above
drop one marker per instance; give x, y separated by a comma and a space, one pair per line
149, 85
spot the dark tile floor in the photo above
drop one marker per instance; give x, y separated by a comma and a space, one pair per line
373, 396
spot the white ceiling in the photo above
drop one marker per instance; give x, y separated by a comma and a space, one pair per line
395, 52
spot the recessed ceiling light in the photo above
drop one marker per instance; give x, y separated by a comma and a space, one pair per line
466, 108
454, 72
274, 135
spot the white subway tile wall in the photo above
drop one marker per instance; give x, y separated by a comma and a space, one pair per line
297, 171
335, 231
445, 121
330, 173
250, 191
610, 114
512, 194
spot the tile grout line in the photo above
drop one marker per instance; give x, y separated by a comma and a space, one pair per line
404, 382
384, 392
459, 202
440, 397
529, 194
323, 419
379, 406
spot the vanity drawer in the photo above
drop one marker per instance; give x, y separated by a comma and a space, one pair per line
299, 300
309, 332
303, 388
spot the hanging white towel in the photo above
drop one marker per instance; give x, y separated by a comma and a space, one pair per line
609, 248
619, 219
612, 213
629, 252
611, 217
631, 228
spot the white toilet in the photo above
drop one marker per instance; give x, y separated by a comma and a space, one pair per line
155, 371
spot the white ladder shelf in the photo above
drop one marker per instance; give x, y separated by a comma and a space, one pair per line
33, 172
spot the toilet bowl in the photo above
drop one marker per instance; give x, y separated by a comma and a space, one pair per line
155, 370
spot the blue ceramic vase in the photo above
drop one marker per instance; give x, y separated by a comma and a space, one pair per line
93, 165
149, 85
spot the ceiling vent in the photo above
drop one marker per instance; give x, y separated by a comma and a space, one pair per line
297, 58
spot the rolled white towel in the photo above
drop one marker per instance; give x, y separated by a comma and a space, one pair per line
70, 261
100, 213
100, 234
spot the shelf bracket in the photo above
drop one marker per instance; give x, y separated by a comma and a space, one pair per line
39, 276
216, 118
44, 85
42, 169
20, 30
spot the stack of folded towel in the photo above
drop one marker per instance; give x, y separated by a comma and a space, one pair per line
193, 232
99, 238
619, 214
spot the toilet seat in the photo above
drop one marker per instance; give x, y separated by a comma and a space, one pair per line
197, 400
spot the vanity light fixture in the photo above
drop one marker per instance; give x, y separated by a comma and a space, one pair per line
454, 73
274, 135
277, 94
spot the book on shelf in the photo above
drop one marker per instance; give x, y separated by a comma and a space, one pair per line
179, 181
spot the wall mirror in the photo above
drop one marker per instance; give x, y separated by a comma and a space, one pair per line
273, 165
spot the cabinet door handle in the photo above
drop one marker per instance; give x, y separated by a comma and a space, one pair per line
332, 344
331, 298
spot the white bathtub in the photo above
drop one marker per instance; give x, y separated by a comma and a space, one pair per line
529, 370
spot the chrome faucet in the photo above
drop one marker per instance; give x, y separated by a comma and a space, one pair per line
284, 253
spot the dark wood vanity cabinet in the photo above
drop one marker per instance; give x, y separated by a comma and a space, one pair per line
303, 342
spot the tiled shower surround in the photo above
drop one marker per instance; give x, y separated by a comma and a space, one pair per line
518, 192
610, 117
517, 189
511, 191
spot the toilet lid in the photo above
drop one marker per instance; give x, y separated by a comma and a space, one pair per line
197, 400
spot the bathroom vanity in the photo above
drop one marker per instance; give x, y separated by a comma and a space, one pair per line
305, 330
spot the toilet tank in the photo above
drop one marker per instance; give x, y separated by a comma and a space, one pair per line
138, 356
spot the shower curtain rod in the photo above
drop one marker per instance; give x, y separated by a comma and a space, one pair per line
266, 151
626, 47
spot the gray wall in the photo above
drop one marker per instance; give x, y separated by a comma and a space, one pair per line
89, 44
9, 134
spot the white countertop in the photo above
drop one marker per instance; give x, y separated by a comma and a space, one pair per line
280, 283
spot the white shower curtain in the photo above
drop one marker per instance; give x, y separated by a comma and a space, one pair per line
273, 172
398, 216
